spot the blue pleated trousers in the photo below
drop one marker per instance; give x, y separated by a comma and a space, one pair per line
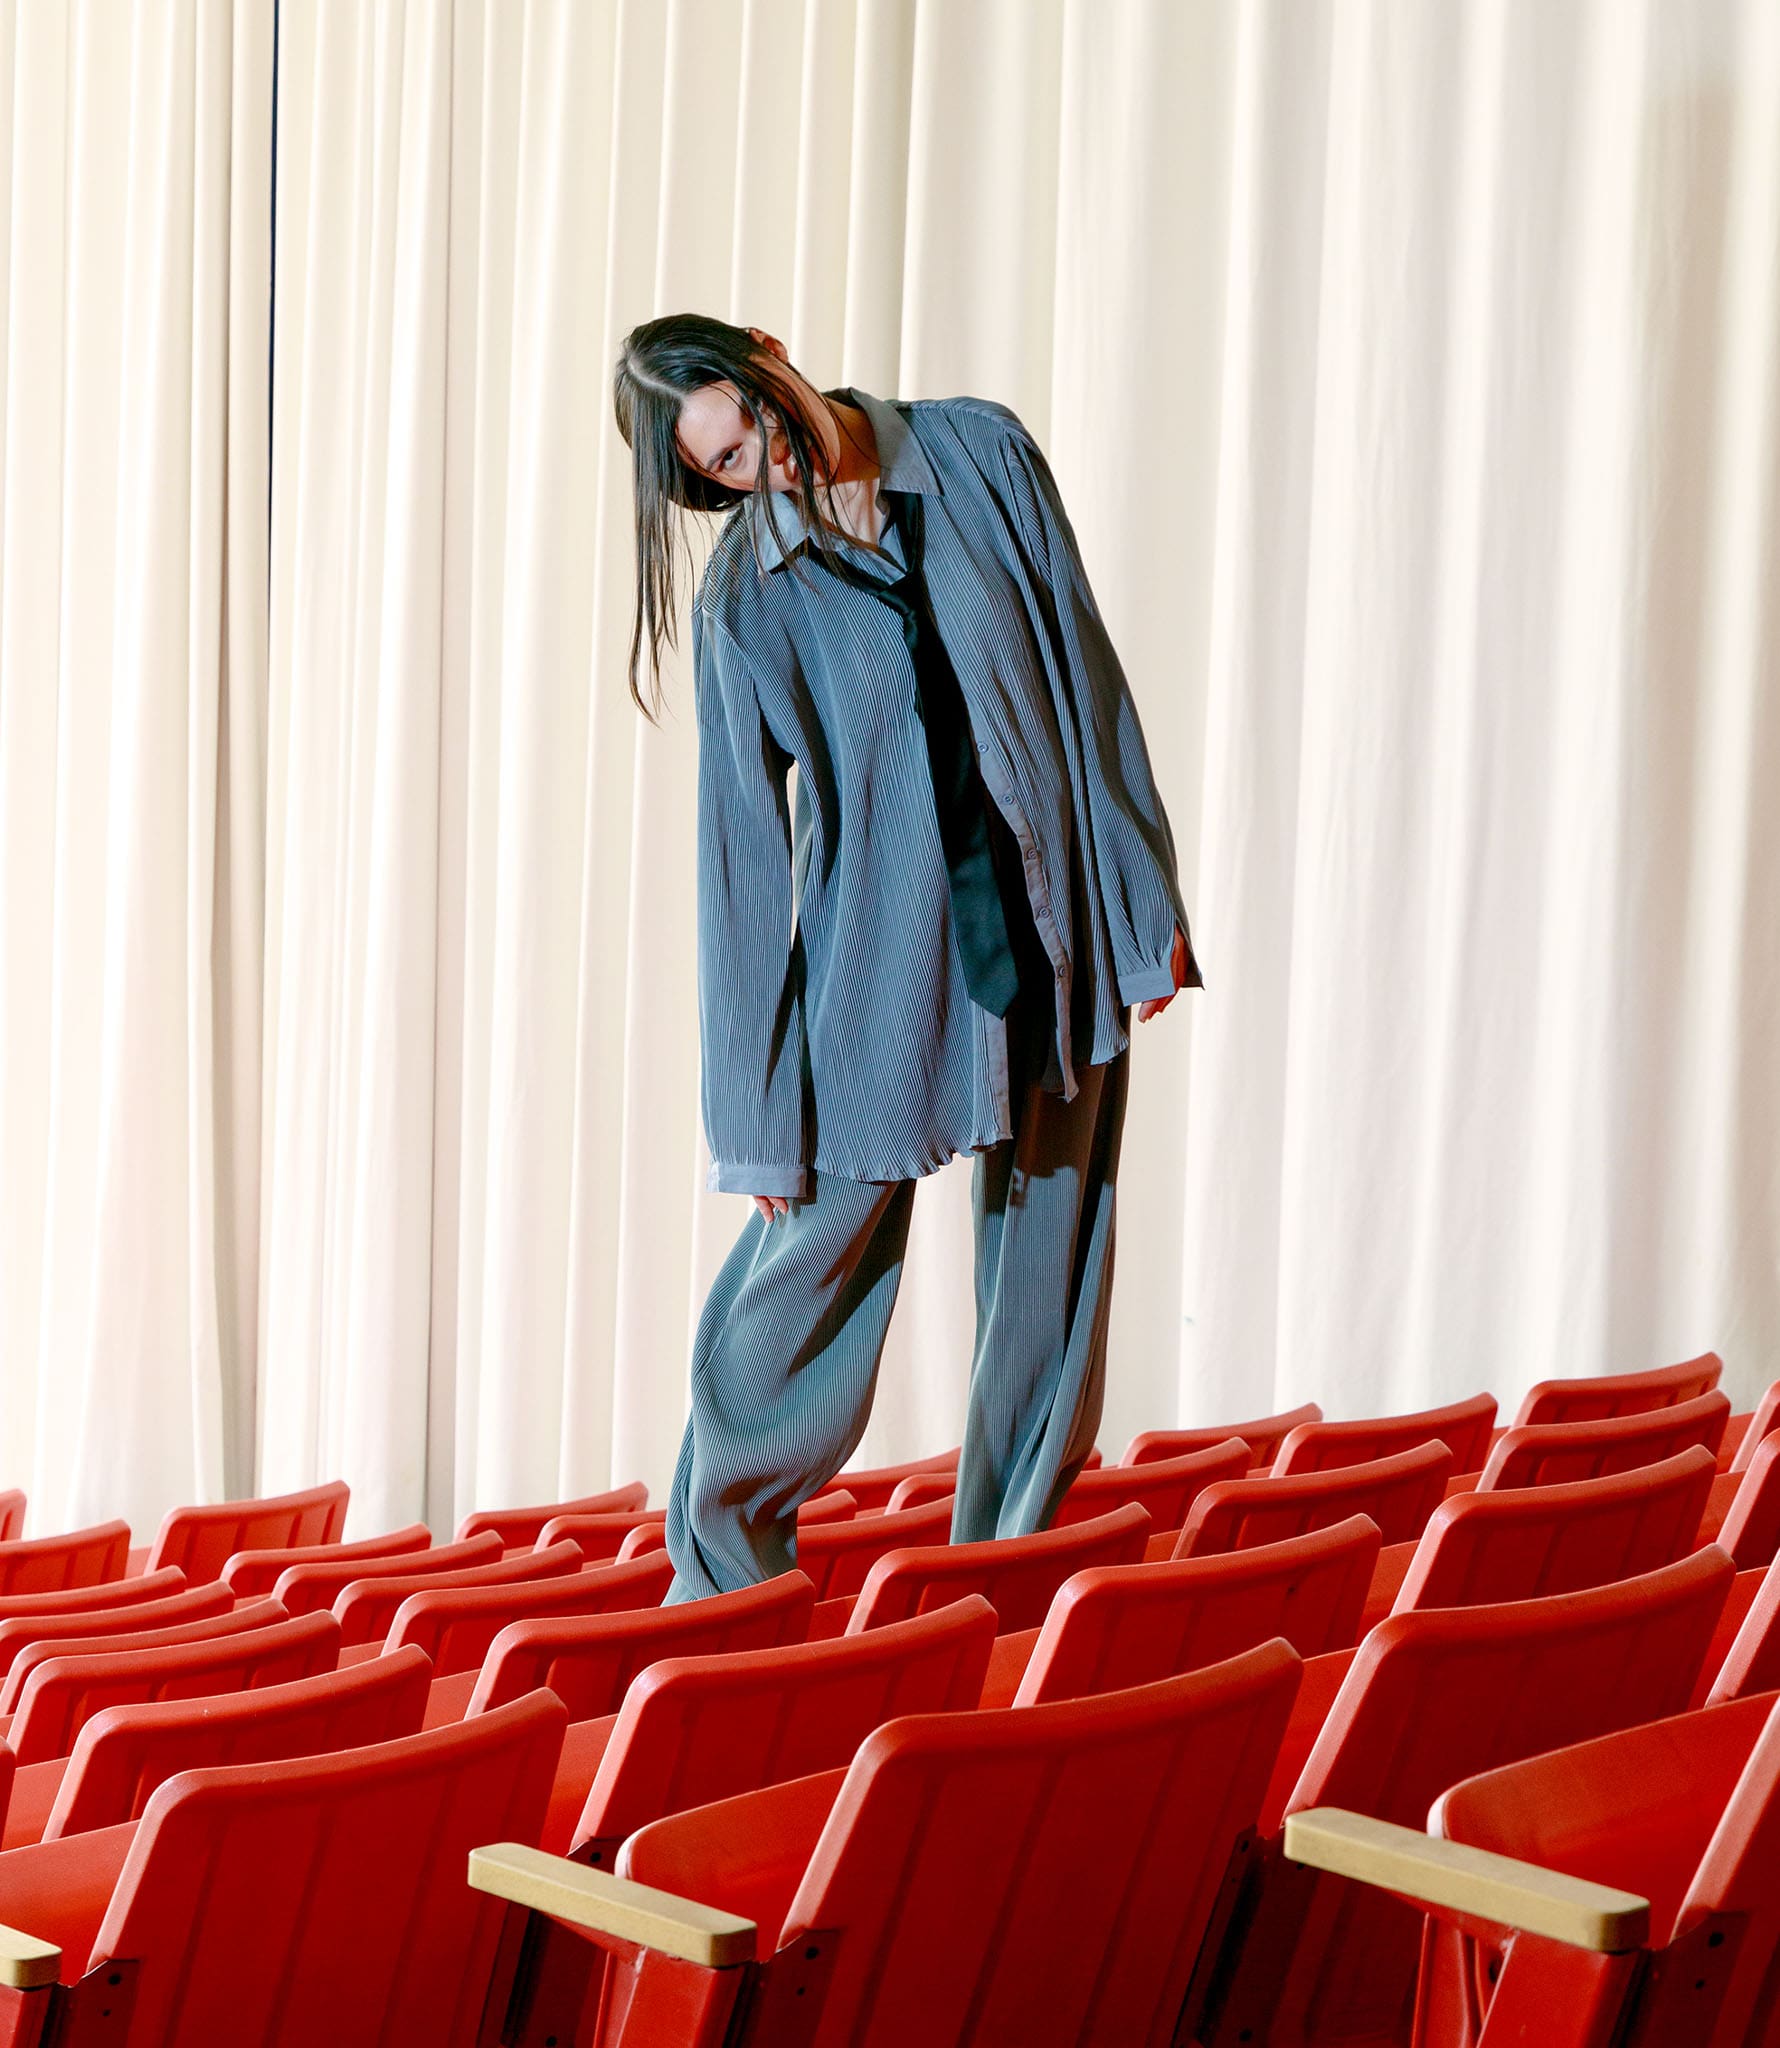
785, 1359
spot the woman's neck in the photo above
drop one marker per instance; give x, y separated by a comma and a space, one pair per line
850, 498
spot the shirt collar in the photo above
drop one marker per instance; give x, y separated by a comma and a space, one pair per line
904, 466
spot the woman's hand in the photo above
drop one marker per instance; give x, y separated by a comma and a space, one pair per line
1157, 1004
770, 1205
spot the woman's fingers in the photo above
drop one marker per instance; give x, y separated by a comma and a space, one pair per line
770, 1205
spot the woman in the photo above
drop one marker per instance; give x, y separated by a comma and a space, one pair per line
934, 952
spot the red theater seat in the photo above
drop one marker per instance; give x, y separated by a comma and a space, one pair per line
599, 1538
1463, 1426
63, 1693
1625, 1890
1528, 1541
1165, 1488
696, 1729
307, 1587
366, 1608
1399, 1494
131, 1592
20, 1632
54, 1564
456, 1625
1263, 1437
516, 1526
1760, 1426
835, 1556
12, 1514
202, 1540
589, 1661
209, 1928
123, 1752
1750, 1530
1548, 1453
251, 1573
1430, 1698
1017, 1575
872, 1486
75, 1638
1126, 1625
1619, 1394
986, 1877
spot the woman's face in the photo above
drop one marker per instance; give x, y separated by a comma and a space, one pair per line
718, 439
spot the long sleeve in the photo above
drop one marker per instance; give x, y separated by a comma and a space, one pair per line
749, 964
1134, 854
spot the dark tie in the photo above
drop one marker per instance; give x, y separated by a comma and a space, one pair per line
978, 916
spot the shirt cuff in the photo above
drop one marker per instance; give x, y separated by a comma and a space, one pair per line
1143, 984
733, 1177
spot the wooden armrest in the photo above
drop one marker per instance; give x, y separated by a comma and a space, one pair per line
605, 1904
1475, 1881
26, 1964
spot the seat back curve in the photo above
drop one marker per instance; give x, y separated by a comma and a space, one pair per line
1399, 1494
201, 1540
227, 1936
1546, 1454
1134, 1624
589, 1661
1518, 1543
123, 1753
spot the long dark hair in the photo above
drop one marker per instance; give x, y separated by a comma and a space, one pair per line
660, 364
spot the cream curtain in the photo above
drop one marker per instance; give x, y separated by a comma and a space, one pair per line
134, 244
1411, 373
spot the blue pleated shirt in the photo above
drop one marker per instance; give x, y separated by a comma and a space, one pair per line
837, 1031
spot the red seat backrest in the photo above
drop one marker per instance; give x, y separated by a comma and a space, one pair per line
588, 1662
1762, 1424
1398, 1493
599, 1537
523, 1525
201, 1540
366, 1609
61, 1694
22, 1634
123, 1753
306, 1588
1548, 1453
1751, 1527
1518, 1544
455, 1625
1263, 1436
135, 1591
1165, 1488
1017, 1575
835, 1556
1430, 1698
235, 1938
251, 1573
53, 1564
1752, 1663
872, 1486
1624, 1393
1029, 1874
1463, 1426
12, 1514
695, 1729
1134, 1624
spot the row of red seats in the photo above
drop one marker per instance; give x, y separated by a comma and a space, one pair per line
249, 1818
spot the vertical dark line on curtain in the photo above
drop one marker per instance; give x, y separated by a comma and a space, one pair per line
272, 296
